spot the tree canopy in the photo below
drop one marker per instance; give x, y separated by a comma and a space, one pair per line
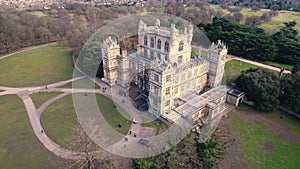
254, 43
288, 45
242, 40
290, 93
261, 86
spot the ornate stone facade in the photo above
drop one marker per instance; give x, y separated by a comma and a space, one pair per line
164, 67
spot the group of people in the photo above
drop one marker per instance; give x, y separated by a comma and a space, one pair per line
134, 134
103, 89
126, 139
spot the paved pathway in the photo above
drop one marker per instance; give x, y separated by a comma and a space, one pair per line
123, 101
34, 114
231, 57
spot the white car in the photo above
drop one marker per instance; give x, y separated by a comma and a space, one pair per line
134, 121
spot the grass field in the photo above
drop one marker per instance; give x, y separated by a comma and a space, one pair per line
234, 68
245, 11
277, 21
41, 97
37, 67
286, 66
59, 119
274, 25
154, 124
254, 135
19, 147
248, 13
39, 13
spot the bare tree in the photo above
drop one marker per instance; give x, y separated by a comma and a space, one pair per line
93, 156
237, 17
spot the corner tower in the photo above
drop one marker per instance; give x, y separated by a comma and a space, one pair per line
110, 54
216, 58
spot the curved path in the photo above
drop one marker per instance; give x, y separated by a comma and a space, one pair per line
123, 101
34, 113
34, 116
231, 57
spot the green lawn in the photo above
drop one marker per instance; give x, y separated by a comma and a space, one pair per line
41, 97
59, 119
36, 67
112, 114
254, 135
274, 25
286, 66
39, 13
154, 124
218, 8
234, 68
19, 147
277, 21
246, 12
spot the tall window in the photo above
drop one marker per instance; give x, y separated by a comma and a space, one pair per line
166, 58
151, 55
156, 78
168, 90
180, 46
145, 53
159, 56
159, 44
152, 42
180, 59
167, 46
145, 41
156, 91
168, 78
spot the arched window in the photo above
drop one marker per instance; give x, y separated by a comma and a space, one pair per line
159, 56
159, 44
145, 53
145, 41
167, 46
180, 46
180, 59
151, 55
152, 42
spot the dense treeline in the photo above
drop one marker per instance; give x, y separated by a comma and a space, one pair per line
75, 25
20, 29
257, 4
189, 153
254, 43
289, 97
267, 90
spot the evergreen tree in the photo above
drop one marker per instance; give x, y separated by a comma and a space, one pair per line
261, 86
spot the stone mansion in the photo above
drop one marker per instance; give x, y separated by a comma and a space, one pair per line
163, 66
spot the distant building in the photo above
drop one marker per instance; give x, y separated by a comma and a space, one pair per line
163, 66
